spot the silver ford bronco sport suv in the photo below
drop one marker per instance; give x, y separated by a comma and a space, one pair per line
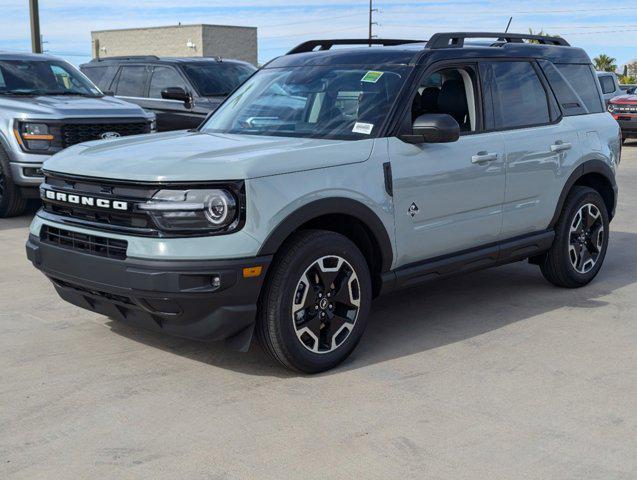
45, 106
333, 176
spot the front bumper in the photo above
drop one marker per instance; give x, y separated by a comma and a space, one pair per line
27, 174
627, 124
175, 297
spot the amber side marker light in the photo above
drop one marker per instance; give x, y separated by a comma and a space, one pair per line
250, 272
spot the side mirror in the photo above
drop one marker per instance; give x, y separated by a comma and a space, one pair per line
432, 128
176, 93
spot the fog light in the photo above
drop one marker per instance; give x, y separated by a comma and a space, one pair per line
215, 281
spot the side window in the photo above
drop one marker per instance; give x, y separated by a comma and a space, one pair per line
96, 74
608, 84
131, 81
162, 78
518, 97
451, 91
582, 79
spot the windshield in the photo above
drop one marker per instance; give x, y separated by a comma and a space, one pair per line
43, 77
347, 103
217, 78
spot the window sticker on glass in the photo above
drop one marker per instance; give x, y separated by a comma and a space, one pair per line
371, 77
364, 128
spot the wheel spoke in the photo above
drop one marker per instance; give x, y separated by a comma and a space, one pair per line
326, 304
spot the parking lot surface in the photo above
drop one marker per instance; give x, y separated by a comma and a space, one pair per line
494, 375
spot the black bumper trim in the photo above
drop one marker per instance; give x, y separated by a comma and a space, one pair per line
172, 296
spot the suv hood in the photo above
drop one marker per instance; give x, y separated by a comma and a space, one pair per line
197, 156
60, 106
625, 99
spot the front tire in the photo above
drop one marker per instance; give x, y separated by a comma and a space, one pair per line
12, 203
581, 240
316, 302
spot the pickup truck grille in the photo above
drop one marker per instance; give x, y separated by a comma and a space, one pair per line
91, 244
74, 133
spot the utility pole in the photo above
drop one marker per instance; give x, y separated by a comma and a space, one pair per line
371, 22
36, 38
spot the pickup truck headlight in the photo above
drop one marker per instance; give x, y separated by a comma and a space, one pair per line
34, 136
194, 210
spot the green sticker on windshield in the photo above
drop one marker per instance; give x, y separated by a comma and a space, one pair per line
372, 77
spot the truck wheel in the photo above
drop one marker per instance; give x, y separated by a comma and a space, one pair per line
316, 302
11, 201
581, 240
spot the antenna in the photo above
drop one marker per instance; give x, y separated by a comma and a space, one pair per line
508, 25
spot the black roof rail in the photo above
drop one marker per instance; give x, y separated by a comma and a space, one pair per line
127, 57
456, 39
311, 45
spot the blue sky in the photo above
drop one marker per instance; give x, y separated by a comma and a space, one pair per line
600, 26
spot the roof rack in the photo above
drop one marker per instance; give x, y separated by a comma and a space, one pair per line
456, 39
311, 45
127, 57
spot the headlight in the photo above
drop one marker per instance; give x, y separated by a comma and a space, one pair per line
612, 108
153, 125
193, 210
34, 136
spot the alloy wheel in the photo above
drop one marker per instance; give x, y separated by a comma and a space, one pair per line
326, 304
586, 238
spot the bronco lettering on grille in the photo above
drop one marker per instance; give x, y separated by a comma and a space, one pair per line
82, 200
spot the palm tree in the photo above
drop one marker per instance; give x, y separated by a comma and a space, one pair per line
604, 63
541, 33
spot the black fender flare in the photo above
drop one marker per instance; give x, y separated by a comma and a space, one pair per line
590, 166
327, 206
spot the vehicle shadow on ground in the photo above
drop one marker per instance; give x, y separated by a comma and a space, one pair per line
433, 315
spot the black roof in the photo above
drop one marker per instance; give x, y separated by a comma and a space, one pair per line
441, 46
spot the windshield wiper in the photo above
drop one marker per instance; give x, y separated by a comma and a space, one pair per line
79, 94
19, 93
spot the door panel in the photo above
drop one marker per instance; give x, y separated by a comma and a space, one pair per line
448, 196
536, 159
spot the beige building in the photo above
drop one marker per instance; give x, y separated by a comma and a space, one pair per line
178, 41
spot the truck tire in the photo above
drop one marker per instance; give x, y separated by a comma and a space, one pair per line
581, 240
316, 301
12, 203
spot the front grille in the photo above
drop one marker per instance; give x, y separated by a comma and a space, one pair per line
133, 221
625, 108
91, 244
73, 133
125, 219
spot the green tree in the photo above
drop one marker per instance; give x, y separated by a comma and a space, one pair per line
627, 80
604, 63
541, 33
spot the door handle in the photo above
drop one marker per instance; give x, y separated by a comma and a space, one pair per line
483, 157
561, 147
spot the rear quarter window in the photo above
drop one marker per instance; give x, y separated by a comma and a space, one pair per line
583, 80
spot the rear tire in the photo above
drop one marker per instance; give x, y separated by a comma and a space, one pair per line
581, 240
316, 301
12, 203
